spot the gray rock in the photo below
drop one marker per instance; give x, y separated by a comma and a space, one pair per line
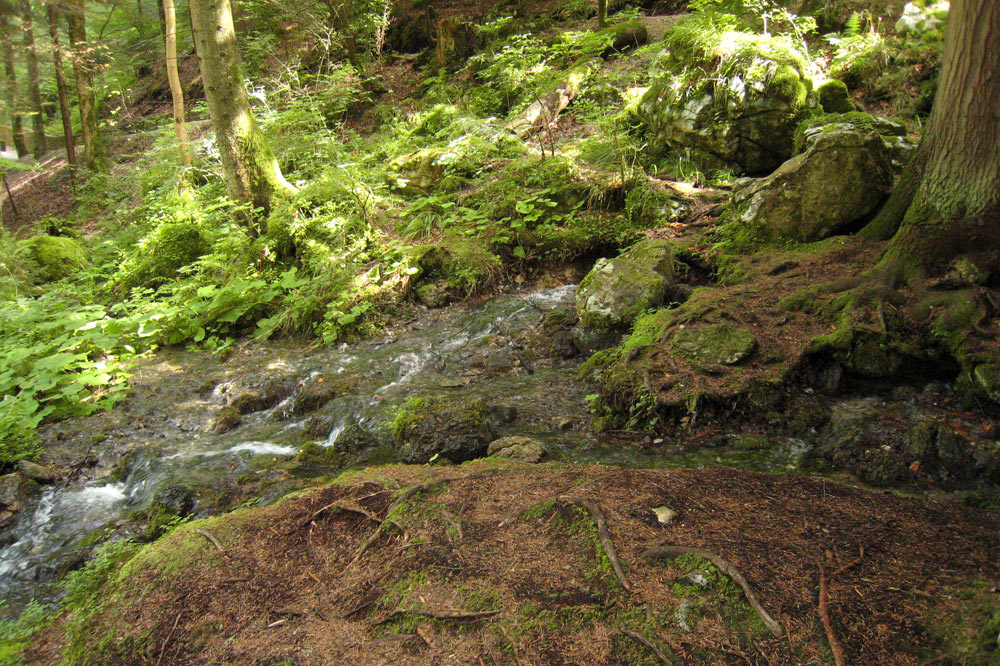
722, 344
841, 177
521, 449
15, 489
177, 500
588, 340
436, 430
39, 473
618, 290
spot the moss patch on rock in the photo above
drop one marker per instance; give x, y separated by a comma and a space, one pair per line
56, 257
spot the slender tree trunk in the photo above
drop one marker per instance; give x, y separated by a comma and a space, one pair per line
57, 62
94, 155
251, 172
955, 208
176, 92
16, 123
34, 81
602, 12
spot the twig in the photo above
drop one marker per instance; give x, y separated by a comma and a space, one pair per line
344, 507
725, 567
163, 648
448, 614
639, 638
212, 539
602, 531
850, 564
824, 616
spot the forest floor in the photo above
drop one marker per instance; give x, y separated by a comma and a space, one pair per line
499, 563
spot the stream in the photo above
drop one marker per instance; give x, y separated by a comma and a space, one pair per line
162, 437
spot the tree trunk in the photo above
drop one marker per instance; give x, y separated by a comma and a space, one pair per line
176, 92
83, 66
251, 172
34, 81
67, 119
602, 12
16, 123
954, 196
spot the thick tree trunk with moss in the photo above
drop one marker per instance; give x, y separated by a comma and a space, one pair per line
57, 64
602, 12
176, 91
34, 80
16, 122
94, 155
251, 171
948, 201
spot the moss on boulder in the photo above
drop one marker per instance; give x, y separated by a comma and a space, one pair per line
55, 256
618, 290
167, 249
834, 97
721, 344
426, 429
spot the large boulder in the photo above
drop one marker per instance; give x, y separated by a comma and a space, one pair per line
842, 176
742, 117
618, 290
427, 429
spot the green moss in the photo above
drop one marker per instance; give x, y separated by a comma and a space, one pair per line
970, 633
857, 120
157, 259
834, 97
787, 85
56, 257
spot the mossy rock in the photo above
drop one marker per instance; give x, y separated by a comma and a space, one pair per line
522, 449
426, 429
626, 36
647, 206
56, 257
321, 390
811, 127
617, 291
166, 250
721, 344
834, 97
228, 418
987, 376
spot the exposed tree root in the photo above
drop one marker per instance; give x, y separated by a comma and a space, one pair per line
729, 570
824, 616
448, 614
602, 531
212, 539
344, 507
639, 638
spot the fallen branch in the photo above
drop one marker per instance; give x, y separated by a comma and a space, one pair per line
850, 564
403, 496
639, 638
450, 614
212, 539
728, 569
824, 616
602, 531
166, 641
344, 507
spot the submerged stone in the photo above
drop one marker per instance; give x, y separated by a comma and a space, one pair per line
228, 418
321, 390
723, 344
618, 290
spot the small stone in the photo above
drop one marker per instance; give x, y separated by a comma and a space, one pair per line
178, 500
563, 423
521, 449
665, 515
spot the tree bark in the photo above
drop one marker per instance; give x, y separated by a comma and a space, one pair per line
602, 12
94, 155
34, 81
176, 92
955, 208
16, 122
251, 172
57, 62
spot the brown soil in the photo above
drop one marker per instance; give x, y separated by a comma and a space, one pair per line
285, 588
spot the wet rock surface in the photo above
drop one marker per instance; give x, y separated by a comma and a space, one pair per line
521, 449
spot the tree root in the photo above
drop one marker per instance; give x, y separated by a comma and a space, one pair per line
212, 540
639, 638
607, 545
729, 570
602, 531
824, 616
448, 614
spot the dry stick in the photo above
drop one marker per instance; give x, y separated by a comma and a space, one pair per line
344, 507
648, 643
212, 539
602, 530
824, 616
725, 567
450, 614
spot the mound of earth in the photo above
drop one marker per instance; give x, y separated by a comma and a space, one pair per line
503, 563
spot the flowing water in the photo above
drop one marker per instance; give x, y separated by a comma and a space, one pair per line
163, 436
